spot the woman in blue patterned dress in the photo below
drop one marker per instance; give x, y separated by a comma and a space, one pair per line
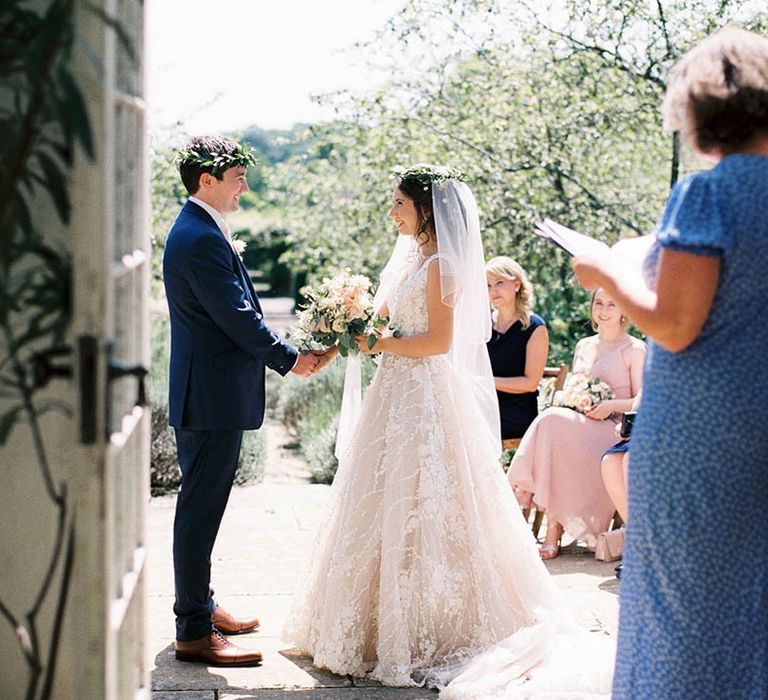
694, 596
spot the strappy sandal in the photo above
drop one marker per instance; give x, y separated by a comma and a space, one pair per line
549, 551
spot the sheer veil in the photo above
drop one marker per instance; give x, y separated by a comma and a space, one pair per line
463, 287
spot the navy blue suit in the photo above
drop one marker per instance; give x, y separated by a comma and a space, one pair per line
220, 347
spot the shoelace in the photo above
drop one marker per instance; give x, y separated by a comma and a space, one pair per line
220, 637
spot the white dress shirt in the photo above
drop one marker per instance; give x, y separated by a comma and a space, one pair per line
215, 215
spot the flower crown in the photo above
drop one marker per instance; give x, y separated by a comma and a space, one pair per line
243, 156
427, 173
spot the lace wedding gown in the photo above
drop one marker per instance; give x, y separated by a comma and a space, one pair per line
424, 560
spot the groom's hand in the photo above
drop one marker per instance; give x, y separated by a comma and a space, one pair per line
305, 364
324, 357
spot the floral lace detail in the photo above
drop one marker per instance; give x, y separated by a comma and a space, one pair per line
423, 559
408, 306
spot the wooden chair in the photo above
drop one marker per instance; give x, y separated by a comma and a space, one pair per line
559, 375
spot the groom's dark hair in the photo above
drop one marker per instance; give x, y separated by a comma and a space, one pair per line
204, 148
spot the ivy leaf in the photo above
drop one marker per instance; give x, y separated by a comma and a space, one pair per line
75, 111
56, 184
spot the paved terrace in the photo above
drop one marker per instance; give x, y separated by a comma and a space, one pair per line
259, 558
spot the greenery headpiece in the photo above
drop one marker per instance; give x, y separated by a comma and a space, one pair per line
243, 156
427, 173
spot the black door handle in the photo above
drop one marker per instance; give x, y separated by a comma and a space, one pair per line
117, 370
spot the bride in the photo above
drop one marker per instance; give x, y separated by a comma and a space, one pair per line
424, 560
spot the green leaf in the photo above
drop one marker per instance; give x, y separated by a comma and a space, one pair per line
56, 184
343, 351
75, 111
372, 339
7, 422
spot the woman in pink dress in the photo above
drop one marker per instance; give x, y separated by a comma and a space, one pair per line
557, 466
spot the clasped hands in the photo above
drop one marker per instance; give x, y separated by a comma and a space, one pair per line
314, 361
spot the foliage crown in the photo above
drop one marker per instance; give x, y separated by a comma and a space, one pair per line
243, 156
428, 173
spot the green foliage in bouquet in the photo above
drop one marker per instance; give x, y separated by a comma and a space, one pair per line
338, 310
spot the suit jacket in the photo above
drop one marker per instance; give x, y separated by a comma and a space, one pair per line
219, 342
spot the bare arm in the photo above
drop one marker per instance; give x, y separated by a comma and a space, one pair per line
675, 313
536, 351
437, 339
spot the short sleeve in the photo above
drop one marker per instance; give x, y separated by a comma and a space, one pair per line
692, 221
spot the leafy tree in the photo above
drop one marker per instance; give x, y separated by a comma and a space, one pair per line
551, 110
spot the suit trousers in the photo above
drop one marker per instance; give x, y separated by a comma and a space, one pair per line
208, 461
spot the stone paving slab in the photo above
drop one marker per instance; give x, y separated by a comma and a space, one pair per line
261, 554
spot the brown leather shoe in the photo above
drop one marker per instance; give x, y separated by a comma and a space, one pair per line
228, 624
216, 650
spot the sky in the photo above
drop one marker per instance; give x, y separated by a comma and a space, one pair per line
223, 65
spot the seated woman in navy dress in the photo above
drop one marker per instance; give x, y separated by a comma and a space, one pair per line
518, 346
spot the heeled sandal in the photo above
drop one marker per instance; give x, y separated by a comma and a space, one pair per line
549, 551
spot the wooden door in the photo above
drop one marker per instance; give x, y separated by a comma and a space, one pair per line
111, 340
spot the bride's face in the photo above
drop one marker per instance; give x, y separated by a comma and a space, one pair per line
403, 213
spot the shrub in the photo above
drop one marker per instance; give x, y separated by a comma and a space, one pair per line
164, 471
318, 450
253, 458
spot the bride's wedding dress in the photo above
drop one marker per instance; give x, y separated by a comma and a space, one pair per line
424, 569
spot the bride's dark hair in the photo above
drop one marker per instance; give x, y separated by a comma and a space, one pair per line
420, 193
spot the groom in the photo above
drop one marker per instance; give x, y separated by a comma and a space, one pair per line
220, 347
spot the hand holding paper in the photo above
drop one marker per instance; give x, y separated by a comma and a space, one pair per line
627, 251
572, 242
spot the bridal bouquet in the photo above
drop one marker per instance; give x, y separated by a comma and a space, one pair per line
338, 310
581, 392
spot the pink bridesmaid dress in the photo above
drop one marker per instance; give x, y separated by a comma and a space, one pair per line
559, 456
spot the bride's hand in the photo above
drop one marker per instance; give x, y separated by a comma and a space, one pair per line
324, 357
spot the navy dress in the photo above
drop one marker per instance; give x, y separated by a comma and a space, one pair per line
694, 594
507, 353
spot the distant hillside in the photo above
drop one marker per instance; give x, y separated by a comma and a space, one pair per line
277, 145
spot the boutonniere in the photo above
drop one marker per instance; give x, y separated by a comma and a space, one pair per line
238, 246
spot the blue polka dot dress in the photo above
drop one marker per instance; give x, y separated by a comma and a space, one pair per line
694, 602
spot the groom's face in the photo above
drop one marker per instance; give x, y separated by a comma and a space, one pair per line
225, 193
